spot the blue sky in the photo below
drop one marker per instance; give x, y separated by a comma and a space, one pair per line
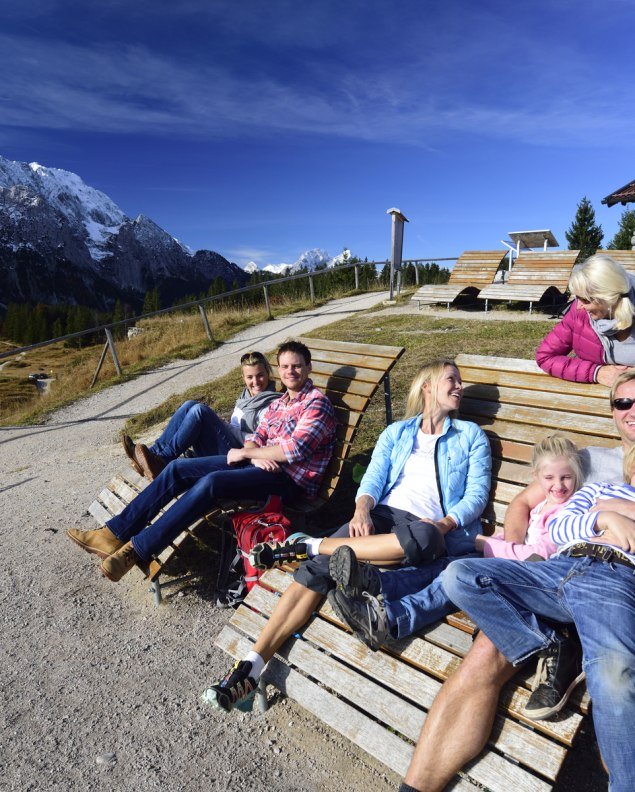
260, 129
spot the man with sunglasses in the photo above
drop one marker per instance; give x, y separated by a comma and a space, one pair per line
287, 455
590, 584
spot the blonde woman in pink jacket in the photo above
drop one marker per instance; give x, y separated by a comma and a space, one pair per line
598, 327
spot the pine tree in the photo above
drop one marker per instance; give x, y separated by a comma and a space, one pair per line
625, 232
584, 234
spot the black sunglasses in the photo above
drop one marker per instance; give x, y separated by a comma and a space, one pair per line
622, 404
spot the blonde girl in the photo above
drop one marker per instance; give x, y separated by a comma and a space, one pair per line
556, 467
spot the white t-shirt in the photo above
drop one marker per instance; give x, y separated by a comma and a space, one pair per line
236, 417
416, 489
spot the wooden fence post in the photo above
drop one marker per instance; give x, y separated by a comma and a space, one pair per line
267, 305
311, 289
208, 329
113, 351
356, 278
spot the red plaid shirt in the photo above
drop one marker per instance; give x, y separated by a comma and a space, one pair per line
304, 428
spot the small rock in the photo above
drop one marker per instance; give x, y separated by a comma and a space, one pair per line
108, 759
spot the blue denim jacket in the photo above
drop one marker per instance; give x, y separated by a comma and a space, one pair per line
463, 463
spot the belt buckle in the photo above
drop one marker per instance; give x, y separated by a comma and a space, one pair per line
605, 553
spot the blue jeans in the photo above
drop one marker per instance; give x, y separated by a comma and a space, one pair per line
203, 481
513, 604
194, 425
414, 597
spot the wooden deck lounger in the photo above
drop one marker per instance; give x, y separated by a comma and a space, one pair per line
349, 374
534, 277
473, 270
379, 700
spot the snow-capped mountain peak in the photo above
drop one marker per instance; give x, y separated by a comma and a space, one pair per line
63, 240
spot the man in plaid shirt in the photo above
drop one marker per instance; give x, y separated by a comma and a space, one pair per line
297, 433
287, 455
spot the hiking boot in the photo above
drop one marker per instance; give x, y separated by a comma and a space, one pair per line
129, 449
118, 564
151, 464
366, 616
268, 555
237, 689
101, 541
558, 672
351, 576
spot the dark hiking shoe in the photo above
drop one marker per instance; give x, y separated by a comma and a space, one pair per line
558, 673
151, 464
237, 689
351, 576
366, 617
268, 555
129, 449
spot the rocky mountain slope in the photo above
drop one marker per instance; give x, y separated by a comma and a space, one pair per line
64, 241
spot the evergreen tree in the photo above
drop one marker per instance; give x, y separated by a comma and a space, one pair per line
151, 301
584, 234
625, 231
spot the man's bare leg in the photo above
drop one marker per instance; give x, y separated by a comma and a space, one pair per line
292, 611
461, 717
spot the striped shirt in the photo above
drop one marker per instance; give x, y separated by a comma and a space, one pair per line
575, 523
304, 428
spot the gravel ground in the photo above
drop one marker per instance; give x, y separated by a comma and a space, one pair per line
100, 689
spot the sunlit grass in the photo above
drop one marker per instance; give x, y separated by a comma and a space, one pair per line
164, 338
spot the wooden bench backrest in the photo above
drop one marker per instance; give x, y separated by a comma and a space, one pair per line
624, 257
517, 404
476, 267
544, 268
349, 374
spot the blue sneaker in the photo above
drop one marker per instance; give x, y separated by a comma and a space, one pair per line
269, 555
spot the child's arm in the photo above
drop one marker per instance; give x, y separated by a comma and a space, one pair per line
517, 515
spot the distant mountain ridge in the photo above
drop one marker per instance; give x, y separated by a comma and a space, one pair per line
62, 241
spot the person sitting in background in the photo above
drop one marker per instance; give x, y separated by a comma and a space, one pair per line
598, 327
197, 427
287, 455
422, 496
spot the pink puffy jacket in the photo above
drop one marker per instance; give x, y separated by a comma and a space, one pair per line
572, 333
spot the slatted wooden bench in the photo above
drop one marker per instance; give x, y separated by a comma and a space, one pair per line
379, 700
535, 277
472, 271
348, 373
624, 257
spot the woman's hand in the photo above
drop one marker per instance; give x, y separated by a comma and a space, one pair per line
608, 374
361, 523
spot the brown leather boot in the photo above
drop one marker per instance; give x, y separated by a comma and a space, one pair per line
129, 448
151, 464
101, 541
118, 564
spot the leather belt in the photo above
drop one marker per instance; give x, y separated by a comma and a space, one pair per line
601, 552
